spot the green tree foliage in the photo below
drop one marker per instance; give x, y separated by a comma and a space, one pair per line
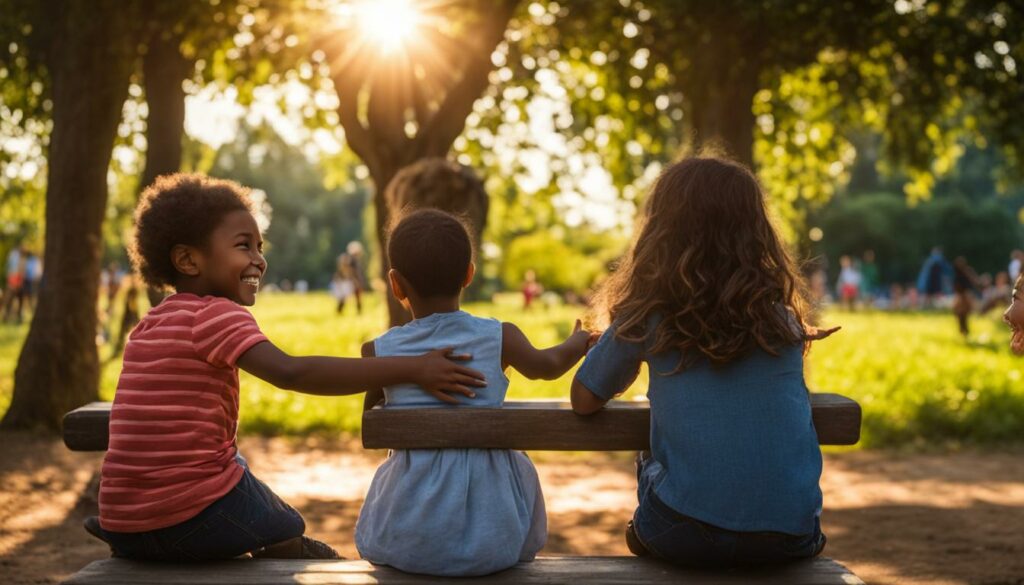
784, 85
24, 125
87, 50
902, 236
562, 261
310, 224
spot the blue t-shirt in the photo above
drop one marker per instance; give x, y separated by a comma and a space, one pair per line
735, 444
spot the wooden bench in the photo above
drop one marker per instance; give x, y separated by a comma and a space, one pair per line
538, 425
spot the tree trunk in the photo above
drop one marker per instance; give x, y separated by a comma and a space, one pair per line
397, 315
381, 141
163, 70
723, 111
90, 61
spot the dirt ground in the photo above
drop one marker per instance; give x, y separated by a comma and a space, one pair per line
948, 518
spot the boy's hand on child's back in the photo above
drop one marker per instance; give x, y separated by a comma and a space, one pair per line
817, 334
440, 375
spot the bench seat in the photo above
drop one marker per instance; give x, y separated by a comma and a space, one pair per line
545, 570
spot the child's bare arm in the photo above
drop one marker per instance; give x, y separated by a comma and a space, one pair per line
542, 364
374, 395
435, 371
585, 401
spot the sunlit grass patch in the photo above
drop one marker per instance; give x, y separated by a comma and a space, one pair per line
917, 380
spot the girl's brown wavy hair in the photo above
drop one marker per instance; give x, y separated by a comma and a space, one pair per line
708, 263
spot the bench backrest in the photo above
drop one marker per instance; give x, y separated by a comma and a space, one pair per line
538, 425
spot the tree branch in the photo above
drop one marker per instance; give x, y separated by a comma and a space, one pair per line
437, 136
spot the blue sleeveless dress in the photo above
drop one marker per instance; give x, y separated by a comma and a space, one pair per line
451, 512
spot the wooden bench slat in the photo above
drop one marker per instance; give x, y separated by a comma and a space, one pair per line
545, 570
534, 425
553, 426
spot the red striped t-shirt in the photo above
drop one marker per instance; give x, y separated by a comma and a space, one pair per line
175, 413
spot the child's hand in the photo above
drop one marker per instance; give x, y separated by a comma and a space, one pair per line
816, 334
439, 375
582, 339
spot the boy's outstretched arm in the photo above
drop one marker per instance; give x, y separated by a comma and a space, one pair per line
374, 395
435, 371
542, 364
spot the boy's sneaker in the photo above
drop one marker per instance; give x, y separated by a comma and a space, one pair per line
92, 526
303, 547
633, 542
314, 549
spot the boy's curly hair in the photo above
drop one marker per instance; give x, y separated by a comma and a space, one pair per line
182, 208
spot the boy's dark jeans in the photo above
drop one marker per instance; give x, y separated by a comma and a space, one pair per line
684, 540
247, 518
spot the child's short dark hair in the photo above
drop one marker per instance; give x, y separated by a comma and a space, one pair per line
432, 250
183, 208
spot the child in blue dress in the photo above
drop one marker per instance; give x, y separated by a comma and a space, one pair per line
453, 512
710, 299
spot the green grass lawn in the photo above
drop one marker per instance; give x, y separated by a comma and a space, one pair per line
917, 380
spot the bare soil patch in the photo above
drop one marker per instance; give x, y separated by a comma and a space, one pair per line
948, 518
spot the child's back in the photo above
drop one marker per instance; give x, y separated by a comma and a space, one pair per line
710, 299
457, 512
743, 451
451, 511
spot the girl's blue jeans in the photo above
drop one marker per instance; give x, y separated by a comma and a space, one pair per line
247, 518
684, 540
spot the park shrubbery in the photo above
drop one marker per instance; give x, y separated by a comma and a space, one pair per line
918, 382
984, 232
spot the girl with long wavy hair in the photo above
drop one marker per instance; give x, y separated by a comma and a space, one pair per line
711, 300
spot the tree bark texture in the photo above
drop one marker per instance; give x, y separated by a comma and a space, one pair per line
722, 109
164, 69
90, 61
376, 98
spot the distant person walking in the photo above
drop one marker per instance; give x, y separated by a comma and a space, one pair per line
1016, 260
996, 295
932, 280
965, 282
348, 277
13, 296
33, 278
849, 282
531, 289
130, 318
355, 272
870, 281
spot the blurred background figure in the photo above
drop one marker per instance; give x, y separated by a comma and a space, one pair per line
996, 295
1013, 269
13, 297
348, 277
897, 298
110, 285
531, 288
355, 272
870, 283
933, 278
849, 282
130, 317
33, 279
965, 283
